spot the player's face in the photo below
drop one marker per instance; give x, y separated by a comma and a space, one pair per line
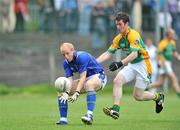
148, 42
171, 35
67, 53
121, 26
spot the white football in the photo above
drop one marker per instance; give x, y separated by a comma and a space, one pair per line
62, 84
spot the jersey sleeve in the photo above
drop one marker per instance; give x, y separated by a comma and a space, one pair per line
68, 72
115, 45
161, 46
82, 61
174, 45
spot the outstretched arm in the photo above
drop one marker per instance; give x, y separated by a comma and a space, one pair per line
116, 65
103, 57
176, 55
130, 57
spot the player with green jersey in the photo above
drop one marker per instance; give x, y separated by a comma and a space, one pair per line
136, 66
166, 51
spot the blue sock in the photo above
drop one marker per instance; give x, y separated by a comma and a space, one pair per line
91, 101
63, 109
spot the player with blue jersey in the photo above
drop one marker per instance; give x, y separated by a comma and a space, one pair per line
91, 79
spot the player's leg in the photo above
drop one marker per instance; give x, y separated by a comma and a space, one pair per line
173, 77
154, 78
141, 95
63, 107
175, 83
63, 111
160, 80
157, 83
124, 76
93, 83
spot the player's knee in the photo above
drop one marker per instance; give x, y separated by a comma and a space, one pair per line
118, 81
175, 79
90, 86
138, 96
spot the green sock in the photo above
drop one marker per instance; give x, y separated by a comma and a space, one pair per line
116, 108
178, 94
157, 97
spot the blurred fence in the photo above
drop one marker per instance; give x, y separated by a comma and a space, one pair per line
24, 59
33, 58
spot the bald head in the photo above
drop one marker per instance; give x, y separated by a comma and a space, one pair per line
67, 50
66, 46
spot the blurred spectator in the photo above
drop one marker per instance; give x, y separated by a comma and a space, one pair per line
162, 4
45, 15
123, 5
85, 11
149, 15
111, 27
59, 14
70, 8
173, 8
162, 22
177, 29
22, 14
98, 26
137, 15
151, 48
7, 18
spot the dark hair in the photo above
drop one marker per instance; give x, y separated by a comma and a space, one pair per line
122, 16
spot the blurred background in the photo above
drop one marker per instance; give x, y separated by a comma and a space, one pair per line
32, 30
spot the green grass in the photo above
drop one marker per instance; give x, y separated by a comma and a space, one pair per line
27, 111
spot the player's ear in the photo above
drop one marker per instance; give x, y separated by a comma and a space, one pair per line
72, 49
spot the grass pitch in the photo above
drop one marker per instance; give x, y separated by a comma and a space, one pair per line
40, 112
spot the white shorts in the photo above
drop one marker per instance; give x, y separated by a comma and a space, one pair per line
166, 70
136, 72
103, 79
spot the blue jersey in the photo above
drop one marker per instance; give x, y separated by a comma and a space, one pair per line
82, 61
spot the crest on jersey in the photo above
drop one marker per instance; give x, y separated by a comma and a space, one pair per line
137, 42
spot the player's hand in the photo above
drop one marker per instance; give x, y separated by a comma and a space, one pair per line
64, 97
74, 97
115, 65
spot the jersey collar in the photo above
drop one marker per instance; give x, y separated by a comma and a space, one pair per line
127, 31
74, 56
